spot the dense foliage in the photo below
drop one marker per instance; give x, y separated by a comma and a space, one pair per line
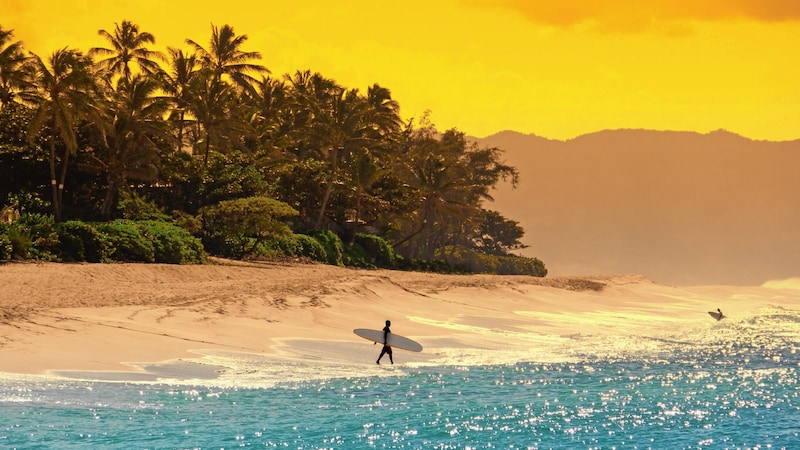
126, 153
237, 227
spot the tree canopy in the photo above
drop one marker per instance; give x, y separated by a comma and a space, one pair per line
206, 132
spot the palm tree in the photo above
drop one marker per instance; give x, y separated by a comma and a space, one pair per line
15, 69
177, 83
451, 178
365, 172
298, 115
66, 92
128, 46
335, 126
225, 57
210, 105
436, 179
338, 122
383, 115
135, 126
273, 107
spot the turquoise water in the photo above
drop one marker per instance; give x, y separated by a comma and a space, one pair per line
736, 386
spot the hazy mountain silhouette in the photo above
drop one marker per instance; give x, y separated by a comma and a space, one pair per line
678, 207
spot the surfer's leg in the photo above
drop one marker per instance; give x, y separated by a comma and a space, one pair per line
389, 351
383, 352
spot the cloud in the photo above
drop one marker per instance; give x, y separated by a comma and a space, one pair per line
640, 15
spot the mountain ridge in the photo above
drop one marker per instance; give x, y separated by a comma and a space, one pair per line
717, 132
679, 207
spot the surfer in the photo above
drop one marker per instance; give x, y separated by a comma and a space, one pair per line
720, 314
387, 349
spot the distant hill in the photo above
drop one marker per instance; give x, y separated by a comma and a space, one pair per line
678, 207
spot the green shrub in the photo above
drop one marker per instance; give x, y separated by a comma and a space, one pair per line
135, 207
238, 227
41, 229
268, 249
6, 248
464, 259
356, 256
517, 265
28, 202
81, 241
127, 241
171, 243
334, 248
274, 247
310, 248
187, 221
424, 265
379, 251
21, 240
300, 245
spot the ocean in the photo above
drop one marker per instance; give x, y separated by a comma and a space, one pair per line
731, 384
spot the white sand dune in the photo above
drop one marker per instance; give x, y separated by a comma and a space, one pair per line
130, 317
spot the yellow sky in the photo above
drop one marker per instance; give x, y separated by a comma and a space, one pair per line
555, 69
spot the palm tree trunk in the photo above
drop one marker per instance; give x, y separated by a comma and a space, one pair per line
355, 224
329, 188
61, 181
111, 193
180, 131
208, 143
325, 198
56, 205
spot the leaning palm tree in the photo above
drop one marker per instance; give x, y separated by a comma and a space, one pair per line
225, 57
128, 46
66, 92
15, 69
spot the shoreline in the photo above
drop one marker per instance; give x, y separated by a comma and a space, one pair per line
149, 319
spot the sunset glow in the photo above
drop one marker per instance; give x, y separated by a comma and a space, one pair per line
557, 70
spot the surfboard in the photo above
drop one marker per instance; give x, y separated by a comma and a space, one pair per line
394, 340
715, 315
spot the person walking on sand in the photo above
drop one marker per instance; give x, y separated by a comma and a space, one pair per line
387, 349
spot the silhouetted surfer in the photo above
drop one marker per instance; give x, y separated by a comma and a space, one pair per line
720, 314
387, 349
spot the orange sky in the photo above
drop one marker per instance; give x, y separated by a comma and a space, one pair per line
556, 69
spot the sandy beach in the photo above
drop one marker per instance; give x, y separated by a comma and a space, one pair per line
57, 318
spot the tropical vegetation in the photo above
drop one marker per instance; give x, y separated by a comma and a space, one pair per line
128, 153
